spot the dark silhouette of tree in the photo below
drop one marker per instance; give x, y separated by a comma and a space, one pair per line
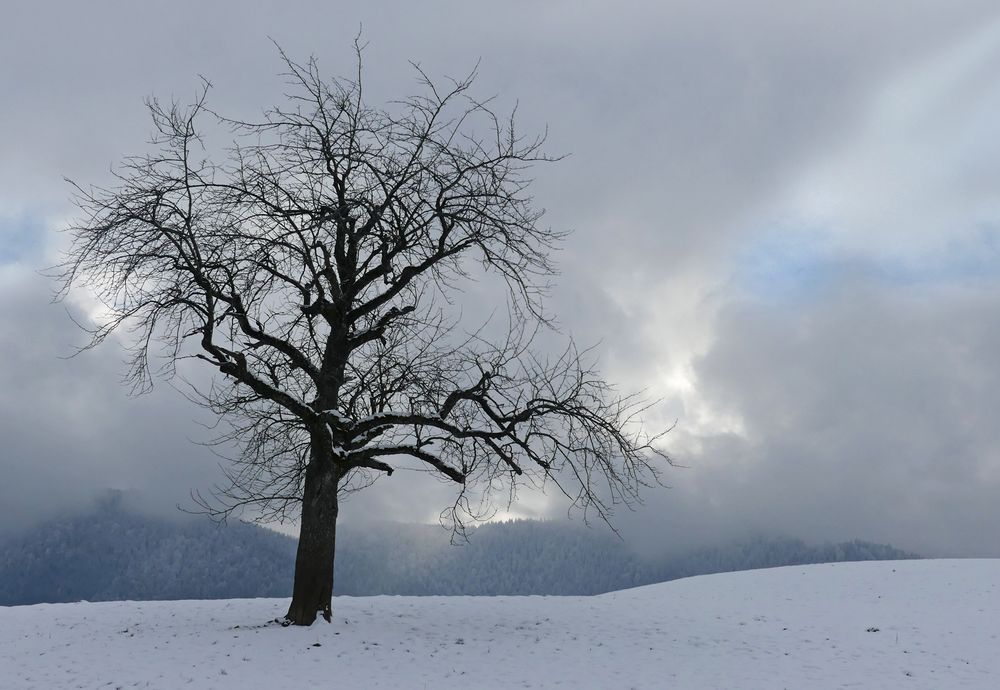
311, 264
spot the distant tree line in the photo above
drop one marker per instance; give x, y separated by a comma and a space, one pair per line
115, 554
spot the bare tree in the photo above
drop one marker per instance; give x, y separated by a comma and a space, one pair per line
311, 267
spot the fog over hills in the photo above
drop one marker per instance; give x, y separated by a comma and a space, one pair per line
113, 553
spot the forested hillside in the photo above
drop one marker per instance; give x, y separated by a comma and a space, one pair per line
113, 553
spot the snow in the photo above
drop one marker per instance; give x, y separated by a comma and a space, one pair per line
890, 624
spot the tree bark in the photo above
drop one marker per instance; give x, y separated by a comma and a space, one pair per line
313, 588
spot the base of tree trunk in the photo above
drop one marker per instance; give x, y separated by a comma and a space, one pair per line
305, 612
313, 589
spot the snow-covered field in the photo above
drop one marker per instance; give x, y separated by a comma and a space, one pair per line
896, 624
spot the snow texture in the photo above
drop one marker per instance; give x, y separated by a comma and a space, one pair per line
897, 624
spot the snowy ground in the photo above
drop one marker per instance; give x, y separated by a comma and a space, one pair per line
897, 624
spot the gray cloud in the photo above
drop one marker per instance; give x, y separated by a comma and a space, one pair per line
68, 429
868, 414
720, 152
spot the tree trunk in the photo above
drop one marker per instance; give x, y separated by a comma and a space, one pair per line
313, 587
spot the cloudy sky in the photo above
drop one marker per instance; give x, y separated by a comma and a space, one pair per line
786, 224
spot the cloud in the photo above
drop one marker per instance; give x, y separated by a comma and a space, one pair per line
870, 422
842, 378
784, 223
69, 430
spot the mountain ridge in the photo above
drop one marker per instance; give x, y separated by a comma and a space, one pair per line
114, 553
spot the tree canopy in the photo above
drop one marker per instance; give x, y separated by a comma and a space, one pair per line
312, 265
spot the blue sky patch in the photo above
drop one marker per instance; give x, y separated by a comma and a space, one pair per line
21, 238
798, 267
